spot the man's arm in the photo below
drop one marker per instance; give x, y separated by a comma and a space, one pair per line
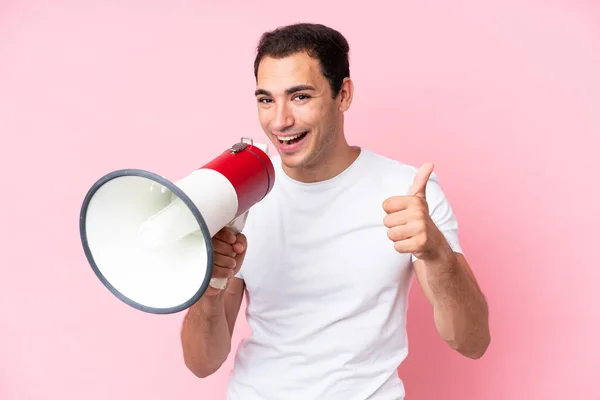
208, 327
459, 307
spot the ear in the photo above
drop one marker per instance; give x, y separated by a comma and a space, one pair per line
346, 93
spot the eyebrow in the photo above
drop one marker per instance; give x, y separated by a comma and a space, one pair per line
288, 91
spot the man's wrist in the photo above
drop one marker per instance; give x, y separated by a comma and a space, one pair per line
443, 261
209, 306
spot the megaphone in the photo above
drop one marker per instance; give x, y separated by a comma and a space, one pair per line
149, 240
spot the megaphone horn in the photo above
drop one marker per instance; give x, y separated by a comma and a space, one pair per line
149, 240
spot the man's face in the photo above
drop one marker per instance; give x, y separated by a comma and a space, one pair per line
296, 109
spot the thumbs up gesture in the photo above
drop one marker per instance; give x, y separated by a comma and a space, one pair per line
409, 225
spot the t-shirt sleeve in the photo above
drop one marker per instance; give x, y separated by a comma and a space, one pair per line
239, 275
441, 213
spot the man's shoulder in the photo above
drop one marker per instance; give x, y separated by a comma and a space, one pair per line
388, 164
390, 171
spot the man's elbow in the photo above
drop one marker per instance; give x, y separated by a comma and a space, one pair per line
473, 350
475, 353
201, 367
201, 371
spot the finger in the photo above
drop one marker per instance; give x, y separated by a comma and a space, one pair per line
416, 213
238, 248
397, 218
221, 247
420, 182
220, 272
404, 232
396, 203
224, 261
409, 245
226, 235
240, 245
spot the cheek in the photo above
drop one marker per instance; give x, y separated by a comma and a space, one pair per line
264, 117
308, 117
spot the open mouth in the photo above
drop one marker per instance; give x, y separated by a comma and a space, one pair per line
289, 140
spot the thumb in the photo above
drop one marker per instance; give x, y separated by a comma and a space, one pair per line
420, 182
240, 247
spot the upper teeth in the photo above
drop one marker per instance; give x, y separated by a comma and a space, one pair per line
286, 138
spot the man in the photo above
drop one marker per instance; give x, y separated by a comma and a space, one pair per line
328, 257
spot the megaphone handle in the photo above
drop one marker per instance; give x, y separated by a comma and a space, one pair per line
237, 225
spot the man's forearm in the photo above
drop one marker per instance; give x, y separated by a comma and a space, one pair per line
205, 336
460, 309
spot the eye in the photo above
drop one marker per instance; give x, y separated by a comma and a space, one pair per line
264, 100
302, 97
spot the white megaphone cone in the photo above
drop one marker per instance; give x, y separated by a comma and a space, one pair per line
150, 240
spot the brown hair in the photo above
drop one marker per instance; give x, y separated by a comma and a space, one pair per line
325, 44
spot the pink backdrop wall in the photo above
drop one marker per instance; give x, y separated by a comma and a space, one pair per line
503, 97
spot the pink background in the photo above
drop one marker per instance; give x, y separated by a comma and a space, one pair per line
503, 97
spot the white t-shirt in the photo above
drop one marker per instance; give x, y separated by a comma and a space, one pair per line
326, 290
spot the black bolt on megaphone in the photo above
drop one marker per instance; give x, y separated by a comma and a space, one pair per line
149, 240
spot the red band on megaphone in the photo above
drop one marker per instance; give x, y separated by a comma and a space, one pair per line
249, 170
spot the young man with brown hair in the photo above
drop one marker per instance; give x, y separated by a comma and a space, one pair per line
327, 258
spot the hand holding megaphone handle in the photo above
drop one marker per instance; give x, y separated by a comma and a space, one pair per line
236, 226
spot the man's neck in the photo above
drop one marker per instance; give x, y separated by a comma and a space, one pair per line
327, 167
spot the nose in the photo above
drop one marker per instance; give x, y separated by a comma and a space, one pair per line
283, 119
